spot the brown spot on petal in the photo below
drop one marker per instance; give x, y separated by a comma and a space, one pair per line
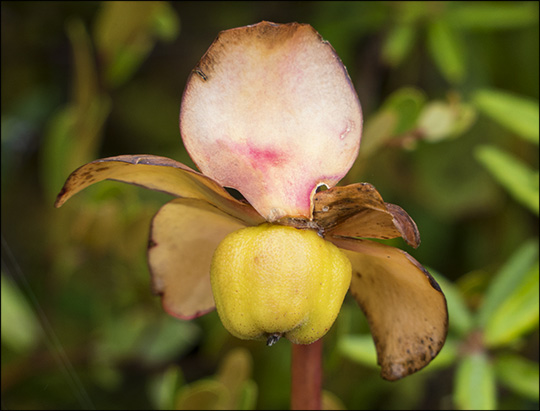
151, 243
407, 315
201, 74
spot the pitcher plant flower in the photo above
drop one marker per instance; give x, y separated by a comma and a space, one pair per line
271, 112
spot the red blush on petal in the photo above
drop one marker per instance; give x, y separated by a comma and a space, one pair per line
262, 158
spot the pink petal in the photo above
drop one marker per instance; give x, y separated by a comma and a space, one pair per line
270, 111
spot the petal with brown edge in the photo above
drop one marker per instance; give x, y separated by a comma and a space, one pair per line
270, 111
358, 210
405, 224
160, 174
404, 305
183, 236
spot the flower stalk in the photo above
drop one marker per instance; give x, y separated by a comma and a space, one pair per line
306, 376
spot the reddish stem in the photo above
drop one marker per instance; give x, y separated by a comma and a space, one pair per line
306, 373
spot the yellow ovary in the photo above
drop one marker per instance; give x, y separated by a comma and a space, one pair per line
274, 279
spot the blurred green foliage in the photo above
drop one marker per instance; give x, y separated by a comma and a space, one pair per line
450, 98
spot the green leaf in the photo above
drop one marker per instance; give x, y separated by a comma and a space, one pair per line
518, 114
234, 373
446, 50
20, 327
206, 394
73, 134
398, 43
56, 151
85, 80
411, 12
446, 357
407, 103
123, 47
165, 22
460, 315
475, 383
397, 115
162, 388
165, 339
127, 61
247, 396
377, 131
230, 389
508, 279
331, 401
492, 15
518, 374
137, 334
71, 139
440, 120
513, 174
452, 194
436, 121
359, 348
466, 116
517, 315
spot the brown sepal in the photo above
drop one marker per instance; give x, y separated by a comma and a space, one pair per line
358, 210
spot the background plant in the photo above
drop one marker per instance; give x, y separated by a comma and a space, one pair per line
450, 98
